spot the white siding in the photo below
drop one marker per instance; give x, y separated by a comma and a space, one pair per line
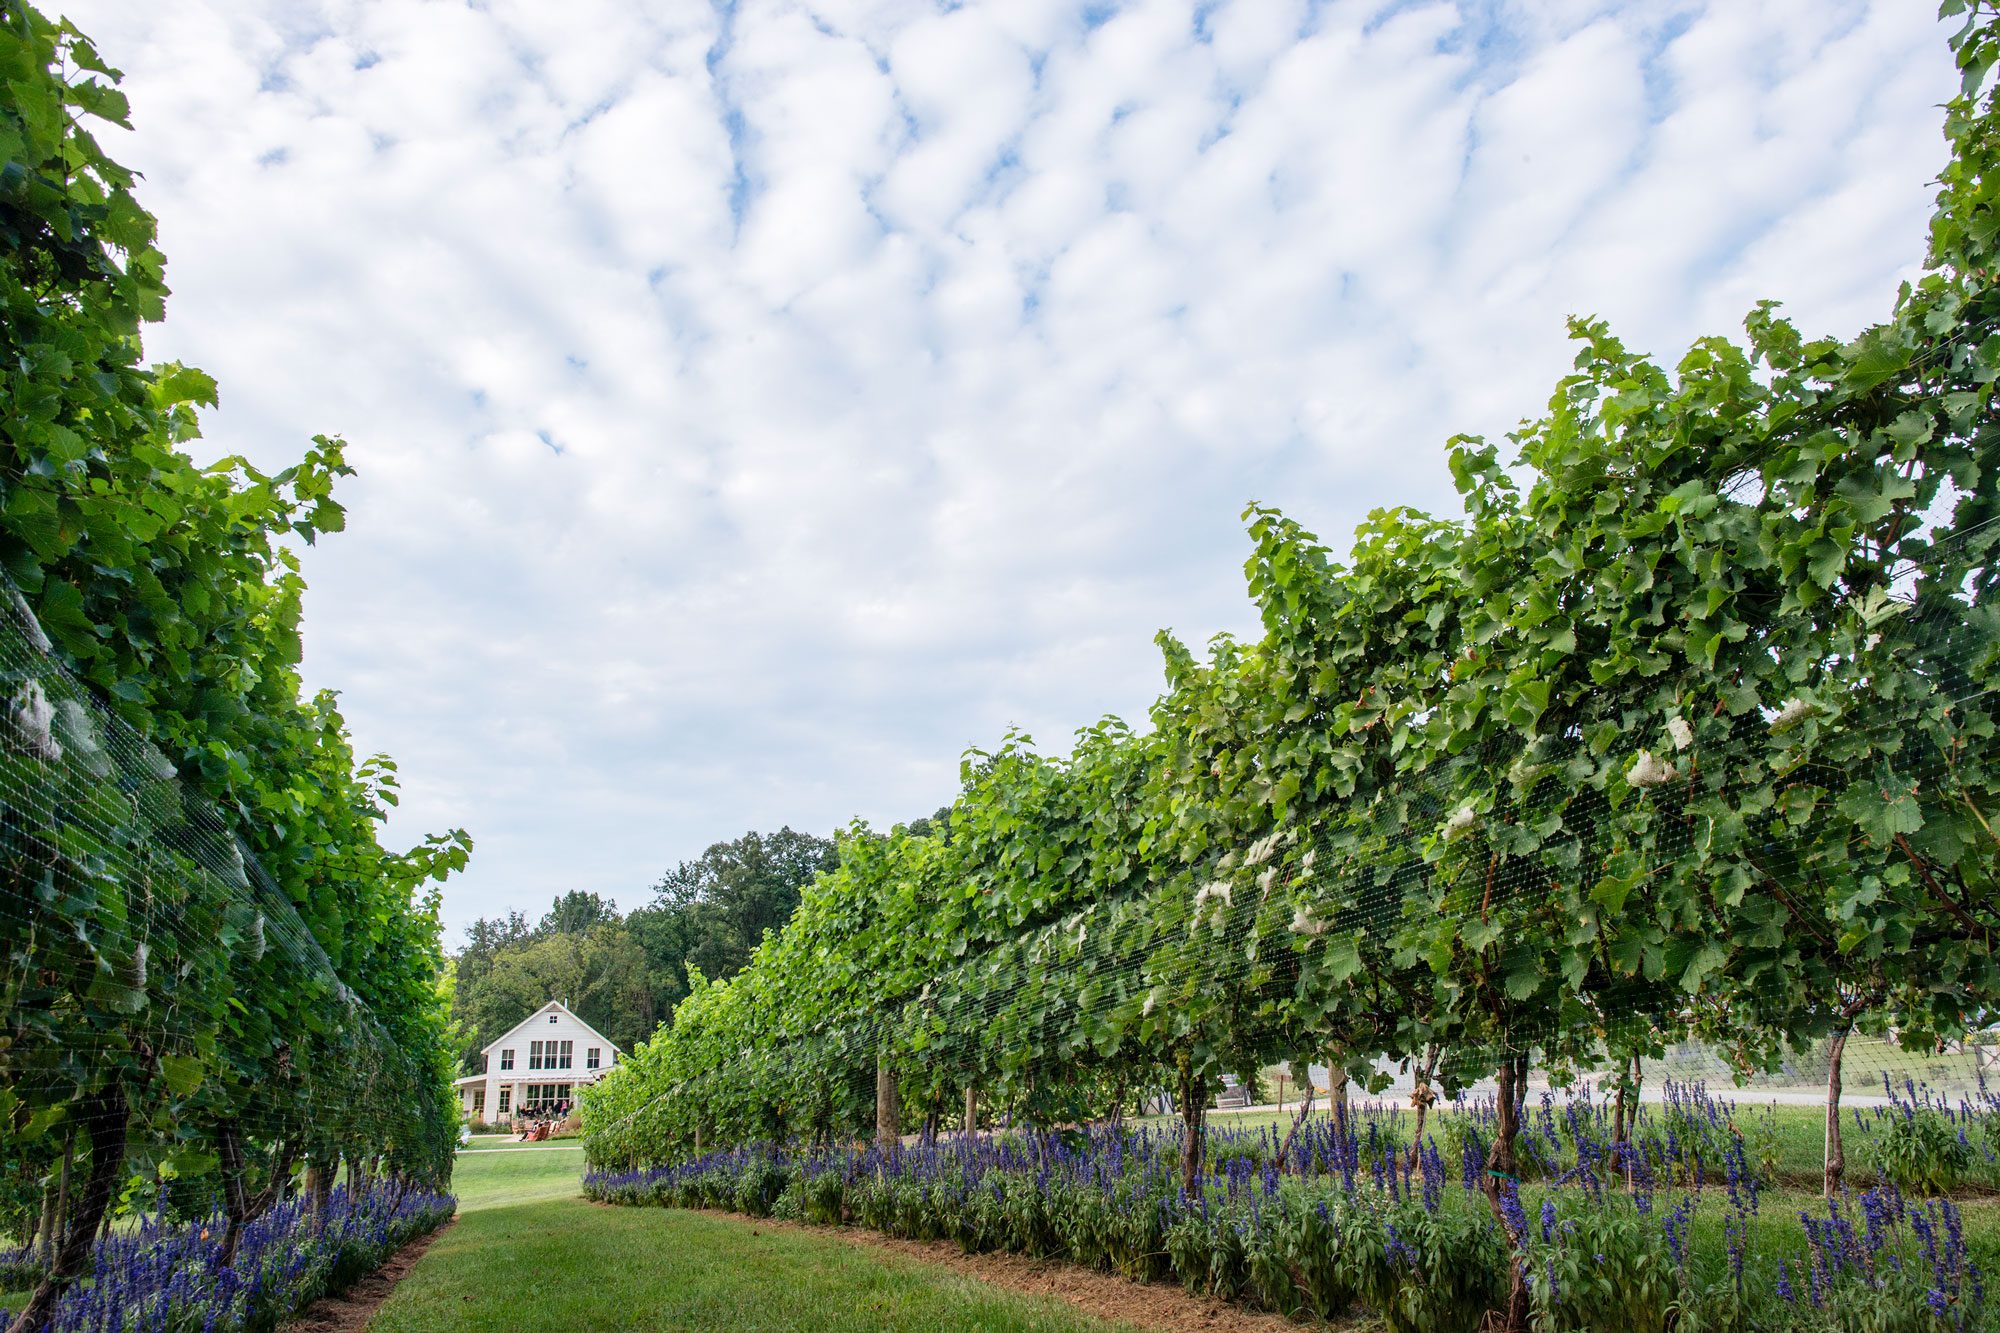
551, 1025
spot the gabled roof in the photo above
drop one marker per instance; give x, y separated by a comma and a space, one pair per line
552, 1007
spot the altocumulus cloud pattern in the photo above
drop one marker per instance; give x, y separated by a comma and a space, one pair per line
756, 403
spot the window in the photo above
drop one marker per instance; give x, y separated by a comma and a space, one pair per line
534, 1055
543, 1097
590, 1058
568, 1055
505, 1095
552, 1018
479, 1103
506, 1059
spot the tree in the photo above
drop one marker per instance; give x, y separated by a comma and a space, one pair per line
712, 911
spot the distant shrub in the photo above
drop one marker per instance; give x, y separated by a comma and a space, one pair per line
1921, 1150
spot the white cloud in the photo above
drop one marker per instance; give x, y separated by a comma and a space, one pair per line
755, 405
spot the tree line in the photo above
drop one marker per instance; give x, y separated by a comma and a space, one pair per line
624, 974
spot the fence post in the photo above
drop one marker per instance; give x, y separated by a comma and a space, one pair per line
888, 1133
971, 1109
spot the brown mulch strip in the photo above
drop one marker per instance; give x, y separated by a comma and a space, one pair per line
1148, 1305
351, 1312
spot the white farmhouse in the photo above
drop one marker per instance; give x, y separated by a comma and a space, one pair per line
537, 1063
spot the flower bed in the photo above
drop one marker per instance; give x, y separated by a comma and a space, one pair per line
167, 1277
1677, 1234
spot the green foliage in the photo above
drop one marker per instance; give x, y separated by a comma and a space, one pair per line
1427, 1270
1922, 1150
1680, 729
1602, 1267
198, 921
595, 966
623, 974
713, 911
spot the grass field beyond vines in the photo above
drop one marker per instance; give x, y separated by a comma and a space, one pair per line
1795, 1136
526, 1252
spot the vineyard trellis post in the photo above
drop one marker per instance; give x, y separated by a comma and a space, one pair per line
888, 1130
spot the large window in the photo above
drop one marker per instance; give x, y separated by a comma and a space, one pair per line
506, 1059
590, 1058
551, 1054
544, 1096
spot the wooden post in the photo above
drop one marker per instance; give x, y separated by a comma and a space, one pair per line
888, 1133
971, 1110
320, 1171
55, 1205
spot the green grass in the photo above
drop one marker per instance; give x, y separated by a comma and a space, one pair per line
1796, 1137
527, 1253
538, 1173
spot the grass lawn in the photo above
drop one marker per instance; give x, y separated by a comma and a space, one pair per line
482, 1178
527, 1253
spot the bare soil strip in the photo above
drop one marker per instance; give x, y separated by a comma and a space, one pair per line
1148, 1305
351, 1312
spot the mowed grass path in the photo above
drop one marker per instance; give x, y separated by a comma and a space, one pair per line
528, 1252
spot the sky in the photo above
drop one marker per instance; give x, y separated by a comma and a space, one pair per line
757, 404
